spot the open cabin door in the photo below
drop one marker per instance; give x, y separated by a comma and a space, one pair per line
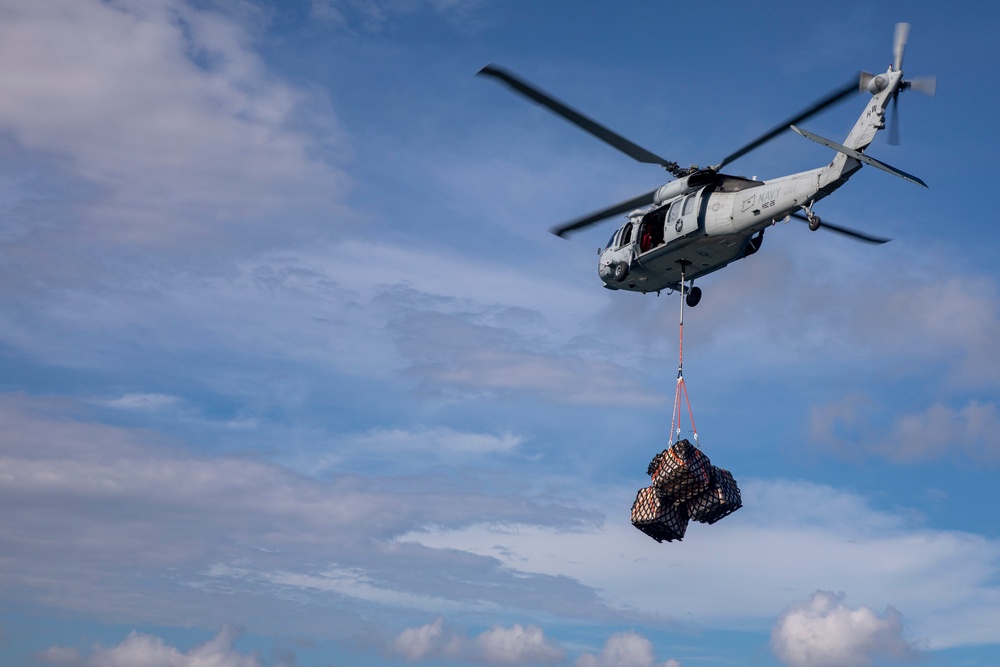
670, 222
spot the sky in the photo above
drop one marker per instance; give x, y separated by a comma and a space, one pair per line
292, 373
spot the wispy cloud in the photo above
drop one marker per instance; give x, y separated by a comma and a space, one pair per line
164, 116
851, 427
83, 498
435, 442
787, 537
140, 401
378, 15
349, 422
485, 334
794, 304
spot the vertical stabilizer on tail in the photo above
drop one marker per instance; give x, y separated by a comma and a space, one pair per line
884, 88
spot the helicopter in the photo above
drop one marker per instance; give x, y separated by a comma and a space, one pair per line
704, 219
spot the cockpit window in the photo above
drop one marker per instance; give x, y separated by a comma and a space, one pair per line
626, 235
620, 238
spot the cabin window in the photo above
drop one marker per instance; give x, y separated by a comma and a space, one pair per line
689, 203
675, 212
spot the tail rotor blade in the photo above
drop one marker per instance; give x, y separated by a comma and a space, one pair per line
899, 45
925, 84
864, 80
894, 122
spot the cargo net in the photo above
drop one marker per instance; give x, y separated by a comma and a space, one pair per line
685, 483
655, 515
685, 486
718, 501
681, 471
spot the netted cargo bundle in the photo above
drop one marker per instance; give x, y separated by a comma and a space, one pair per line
658, 516
721, 499
681, 471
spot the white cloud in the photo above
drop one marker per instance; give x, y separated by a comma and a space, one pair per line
939, 432
164, 112
143, 650
141, 401
85, 499
427, 641
794, 305
822, 631
514, 645
443, 441
786, 538
87, 503
59, 655
374, 15
565, 377
625, 649
488, 334
166, 115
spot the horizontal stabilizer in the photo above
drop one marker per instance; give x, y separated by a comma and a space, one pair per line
861, 157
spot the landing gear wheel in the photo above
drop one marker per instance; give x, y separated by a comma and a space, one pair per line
693, 297
620, 271
814, 222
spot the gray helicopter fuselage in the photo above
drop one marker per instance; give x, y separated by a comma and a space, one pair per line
710, 221
706, 229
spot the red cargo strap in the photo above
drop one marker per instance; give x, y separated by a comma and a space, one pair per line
675, 422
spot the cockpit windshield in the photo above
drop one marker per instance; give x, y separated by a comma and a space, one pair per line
621, 237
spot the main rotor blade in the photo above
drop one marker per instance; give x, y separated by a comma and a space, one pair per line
604, 214
590, 125
818, 106
844, 230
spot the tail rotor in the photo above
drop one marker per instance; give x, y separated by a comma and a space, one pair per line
926, 85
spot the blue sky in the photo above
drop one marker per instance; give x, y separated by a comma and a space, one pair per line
291, 372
